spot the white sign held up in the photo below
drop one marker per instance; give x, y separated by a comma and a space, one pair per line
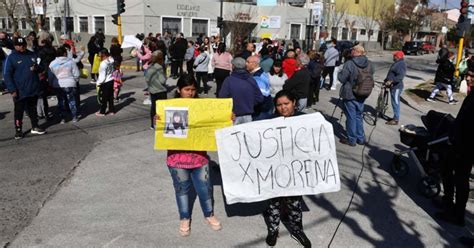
278, 157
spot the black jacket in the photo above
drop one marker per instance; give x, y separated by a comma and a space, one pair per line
178, 49
461, 135
445, 72
298, 84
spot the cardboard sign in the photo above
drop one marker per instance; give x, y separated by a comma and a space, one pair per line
278, 157
190, 124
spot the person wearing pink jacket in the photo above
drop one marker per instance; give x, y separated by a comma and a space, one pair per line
221, 61
145, 56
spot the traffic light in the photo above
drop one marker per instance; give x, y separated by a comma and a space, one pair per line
220, 22
115, 19
120, 6
464, 23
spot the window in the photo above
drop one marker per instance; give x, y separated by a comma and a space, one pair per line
84, 24
362, 32
47, 23
4, 23
69, 24
199, 27
295, 31
345, 33
334, 32
57, 23
354, 34
99, 23
356, 1
371, 32
170, 24
23, 23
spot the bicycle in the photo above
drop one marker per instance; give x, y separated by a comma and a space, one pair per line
382, 100
381, 104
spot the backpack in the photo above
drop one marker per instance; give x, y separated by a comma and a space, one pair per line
364, 83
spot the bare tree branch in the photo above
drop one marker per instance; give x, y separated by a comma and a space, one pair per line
10, 7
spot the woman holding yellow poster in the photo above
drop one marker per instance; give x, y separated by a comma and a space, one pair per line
188, 168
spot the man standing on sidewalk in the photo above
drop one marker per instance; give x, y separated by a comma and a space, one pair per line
395, 77
354, 105
22, 80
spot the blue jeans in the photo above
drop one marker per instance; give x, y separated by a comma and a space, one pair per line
183, 179
395, 97
67, 95
353, 110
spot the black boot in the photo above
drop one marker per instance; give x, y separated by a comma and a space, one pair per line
271, 238
301, 238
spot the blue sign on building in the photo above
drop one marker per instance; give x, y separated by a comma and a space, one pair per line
266, 2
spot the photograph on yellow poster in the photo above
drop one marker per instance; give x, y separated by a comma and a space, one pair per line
190, 124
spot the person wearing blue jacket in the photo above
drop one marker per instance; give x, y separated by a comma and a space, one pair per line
21, 77
243, 89
394, 78
353, 105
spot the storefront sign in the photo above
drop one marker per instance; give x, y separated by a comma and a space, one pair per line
187, 10
270, 22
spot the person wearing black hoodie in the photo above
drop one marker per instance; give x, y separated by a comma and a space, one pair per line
353, 105
177, 52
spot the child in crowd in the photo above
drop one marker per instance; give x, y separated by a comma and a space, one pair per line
117, 76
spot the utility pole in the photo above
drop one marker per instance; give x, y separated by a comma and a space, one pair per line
463, 26
117, 19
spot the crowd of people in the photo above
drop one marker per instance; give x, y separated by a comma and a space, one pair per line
265, 80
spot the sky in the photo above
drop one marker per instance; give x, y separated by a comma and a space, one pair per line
451, 3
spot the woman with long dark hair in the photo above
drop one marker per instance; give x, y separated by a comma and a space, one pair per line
222, 64
285, 106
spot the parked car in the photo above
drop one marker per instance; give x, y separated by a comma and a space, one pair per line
428, 47
413, 47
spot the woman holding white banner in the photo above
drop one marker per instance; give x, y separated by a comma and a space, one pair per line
285, 105
191, 168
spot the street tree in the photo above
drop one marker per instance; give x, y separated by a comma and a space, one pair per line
11, 9
412, 16
238, 26
334, 15
16, 8
369, 13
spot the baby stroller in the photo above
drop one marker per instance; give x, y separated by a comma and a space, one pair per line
428, 148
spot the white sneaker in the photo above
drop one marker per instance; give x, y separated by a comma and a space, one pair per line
429, 99
333, 88
93, 82
147, 101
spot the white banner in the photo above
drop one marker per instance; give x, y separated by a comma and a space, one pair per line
278, 157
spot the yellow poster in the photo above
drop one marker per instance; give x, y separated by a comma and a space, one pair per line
190, 124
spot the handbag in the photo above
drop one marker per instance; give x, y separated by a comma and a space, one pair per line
84, 73
96, 65
200, 62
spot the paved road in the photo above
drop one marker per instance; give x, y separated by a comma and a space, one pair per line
99, 183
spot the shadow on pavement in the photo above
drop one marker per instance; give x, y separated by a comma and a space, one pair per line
408, 185
2, 114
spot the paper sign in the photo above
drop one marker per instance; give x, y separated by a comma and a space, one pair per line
131, 41
278, 157
190, 124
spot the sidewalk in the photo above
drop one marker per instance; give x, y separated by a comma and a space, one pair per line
121, 195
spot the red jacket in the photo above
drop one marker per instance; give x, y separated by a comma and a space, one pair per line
289, 66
